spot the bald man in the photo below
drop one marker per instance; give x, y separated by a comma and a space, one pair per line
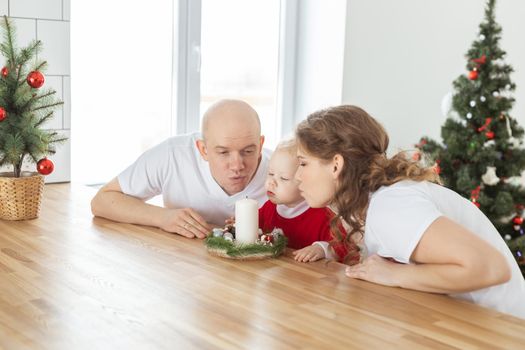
200, 176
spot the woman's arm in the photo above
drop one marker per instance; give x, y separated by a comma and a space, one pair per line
448, 259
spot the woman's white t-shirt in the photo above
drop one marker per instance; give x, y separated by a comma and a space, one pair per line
175, 169
398, 216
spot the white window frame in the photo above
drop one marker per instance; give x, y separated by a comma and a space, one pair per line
186, 66
286, 98
187, 62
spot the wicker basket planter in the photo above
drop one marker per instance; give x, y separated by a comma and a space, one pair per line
20, 197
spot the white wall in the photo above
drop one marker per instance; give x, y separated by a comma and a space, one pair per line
402, 56
48, 20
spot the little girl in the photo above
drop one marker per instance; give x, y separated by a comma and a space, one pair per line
307, 229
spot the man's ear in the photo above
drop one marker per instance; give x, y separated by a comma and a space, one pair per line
201, 146
262, 143
338, 162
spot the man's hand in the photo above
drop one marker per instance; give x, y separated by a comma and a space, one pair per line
230, 221
313, 252
185, 222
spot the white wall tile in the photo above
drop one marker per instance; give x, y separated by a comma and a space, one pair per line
62, 160
67, 102
66, 10
55, 40
55, 83
25, 33
4, 7
6, 168
48, 9
39, 21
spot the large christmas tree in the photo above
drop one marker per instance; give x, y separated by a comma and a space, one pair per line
482, 156
24, 107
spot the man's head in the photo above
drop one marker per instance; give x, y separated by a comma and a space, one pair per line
231, 143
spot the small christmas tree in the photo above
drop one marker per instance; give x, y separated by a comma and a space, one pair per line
481, 156
24, 108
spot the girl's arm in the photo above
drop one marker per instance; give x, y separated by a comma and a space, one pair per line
448, 259
310, 253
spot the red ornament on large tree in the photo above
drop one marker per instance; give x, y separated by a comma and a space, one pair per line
481, 60
45, 166
473, 75
35, 79
3, 114
4, 71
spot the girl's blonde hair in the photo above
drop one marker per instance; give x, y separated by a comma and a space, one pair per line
289, 145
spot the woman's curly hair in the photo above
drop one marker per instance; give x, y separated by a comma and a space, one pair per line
362, 142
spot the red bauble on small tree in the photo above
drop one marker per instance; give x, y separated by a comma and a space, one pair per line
24, 111
45, 166
35, 79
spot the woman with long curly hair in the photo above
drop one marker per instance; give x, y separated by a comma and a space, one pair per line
417, 234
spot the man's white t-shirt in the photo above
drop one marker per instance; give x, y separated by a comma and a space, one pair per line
399, 214
175, 169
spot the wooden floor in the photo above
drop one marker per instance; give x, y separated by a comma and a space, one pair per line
69, 281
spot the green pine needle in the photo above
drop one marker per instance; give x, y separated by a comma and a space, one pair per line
27, 108
482, 106
245, 250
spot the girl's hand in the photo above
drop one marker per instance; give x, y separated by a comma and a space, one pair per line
375, 269
313, 252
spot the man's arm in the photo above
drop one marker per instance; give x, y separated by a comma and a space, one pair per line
111, 203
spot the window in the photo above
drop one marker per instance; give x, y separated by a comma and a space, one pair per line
240, 56
143, 73
121, 55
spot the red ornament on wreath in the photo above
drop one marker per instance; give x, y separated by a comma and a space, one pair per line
268, 238
35, 79
4, 71
473, 74
45, 166
489, 135
3, 114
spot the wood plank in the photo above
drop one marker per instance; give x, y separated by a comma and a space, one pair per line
68, 280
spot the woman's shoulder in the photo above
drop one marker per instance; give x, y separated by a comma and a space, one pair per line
404, 187
405, 206
402, 195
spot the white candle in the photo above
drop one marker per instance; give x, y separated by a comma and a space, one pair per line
246, 220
